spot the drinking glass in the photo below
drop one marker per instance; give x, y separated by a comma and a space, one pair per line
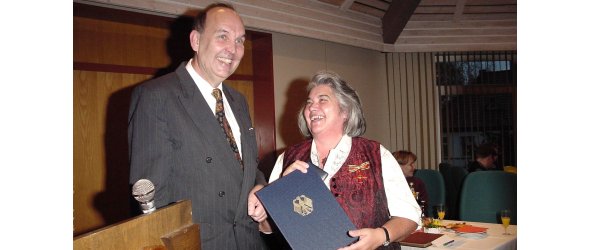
505, 216
440, 210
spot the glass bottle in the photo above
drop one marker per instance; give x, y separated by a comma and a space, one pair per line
413, 191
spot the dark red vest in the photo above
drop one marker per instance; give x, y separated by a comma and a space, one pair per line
358, 185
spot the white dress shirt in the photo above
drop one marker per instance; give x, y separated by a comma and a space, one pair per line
206, 90
400, 201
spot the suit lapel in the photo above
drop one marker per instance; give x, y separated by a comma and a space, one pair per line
204, 120
239, 112
249, 173
194, 103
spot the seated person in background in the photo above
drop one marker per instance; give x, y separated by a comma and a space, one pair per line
485, 158
407, 161
375, 198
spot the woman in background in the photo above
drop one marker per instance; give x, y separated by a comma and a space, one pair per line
407, 161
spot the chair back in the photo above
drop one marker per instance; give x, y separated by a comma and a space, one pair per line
485, 193
453, 177
444, 169
435, 186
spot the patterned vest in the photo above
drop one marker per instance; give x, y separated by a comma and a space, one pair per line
358, 184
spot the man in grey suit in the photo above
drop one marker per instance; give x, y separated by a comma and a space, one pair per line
179, 140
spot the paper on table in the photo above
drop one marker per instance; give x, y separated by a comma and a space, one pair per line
443, 241
471, 229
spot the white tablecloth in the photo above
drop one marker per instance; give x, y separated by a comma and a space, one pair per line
494, 239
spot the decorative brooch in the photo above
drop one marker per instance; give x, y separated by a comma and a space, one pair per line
360, 175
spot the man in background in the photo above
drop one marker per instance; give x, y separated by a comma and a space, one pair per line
485, 158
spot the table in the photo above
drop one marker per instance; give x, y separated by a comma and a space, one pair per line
493, 240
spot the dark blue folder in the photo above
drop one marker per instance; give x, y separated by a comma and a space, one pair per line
306, 213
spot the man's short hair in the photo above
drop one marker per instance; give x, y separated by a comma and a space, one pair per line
486, 149
201, 18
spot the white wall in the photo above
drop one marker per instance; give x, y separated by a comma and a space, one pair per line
296, 59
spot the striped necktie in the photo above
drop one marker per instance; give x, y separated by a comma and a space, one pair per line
220, 115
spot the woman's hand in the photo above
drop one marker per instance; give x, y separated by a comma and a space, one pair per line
297, 165
369, 238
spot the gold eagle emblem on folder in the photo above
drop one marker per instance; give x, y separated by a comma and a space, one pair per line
302, 205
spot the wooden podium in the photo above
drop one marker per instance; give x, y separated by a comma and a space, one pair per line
170, 227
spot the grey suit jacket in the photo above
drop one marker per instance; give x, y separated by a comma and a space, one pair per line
176, 142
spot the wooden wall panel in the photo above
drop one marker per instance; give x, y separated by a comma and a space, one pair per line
109, 42
246, 67
100, 153
247, 89
414, 106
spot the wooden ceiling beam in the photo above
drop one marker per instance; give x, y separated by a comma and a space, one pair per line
396, 17
346, 4
459, 10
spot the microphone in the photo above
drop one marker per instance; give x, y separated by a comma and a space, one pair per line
143, 191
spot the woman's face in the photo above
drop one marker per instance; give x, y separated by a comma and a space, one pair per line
322, 112
409, 169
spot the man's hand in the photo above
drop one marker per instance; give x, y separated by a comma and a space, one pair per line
255, 208
257, 211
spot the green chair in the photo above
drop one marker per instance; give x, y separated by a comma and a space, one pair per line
453, 177
485, 193
435, 186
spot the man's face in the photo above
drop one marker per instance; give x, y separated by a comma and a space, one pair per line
488, 162
220, 46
